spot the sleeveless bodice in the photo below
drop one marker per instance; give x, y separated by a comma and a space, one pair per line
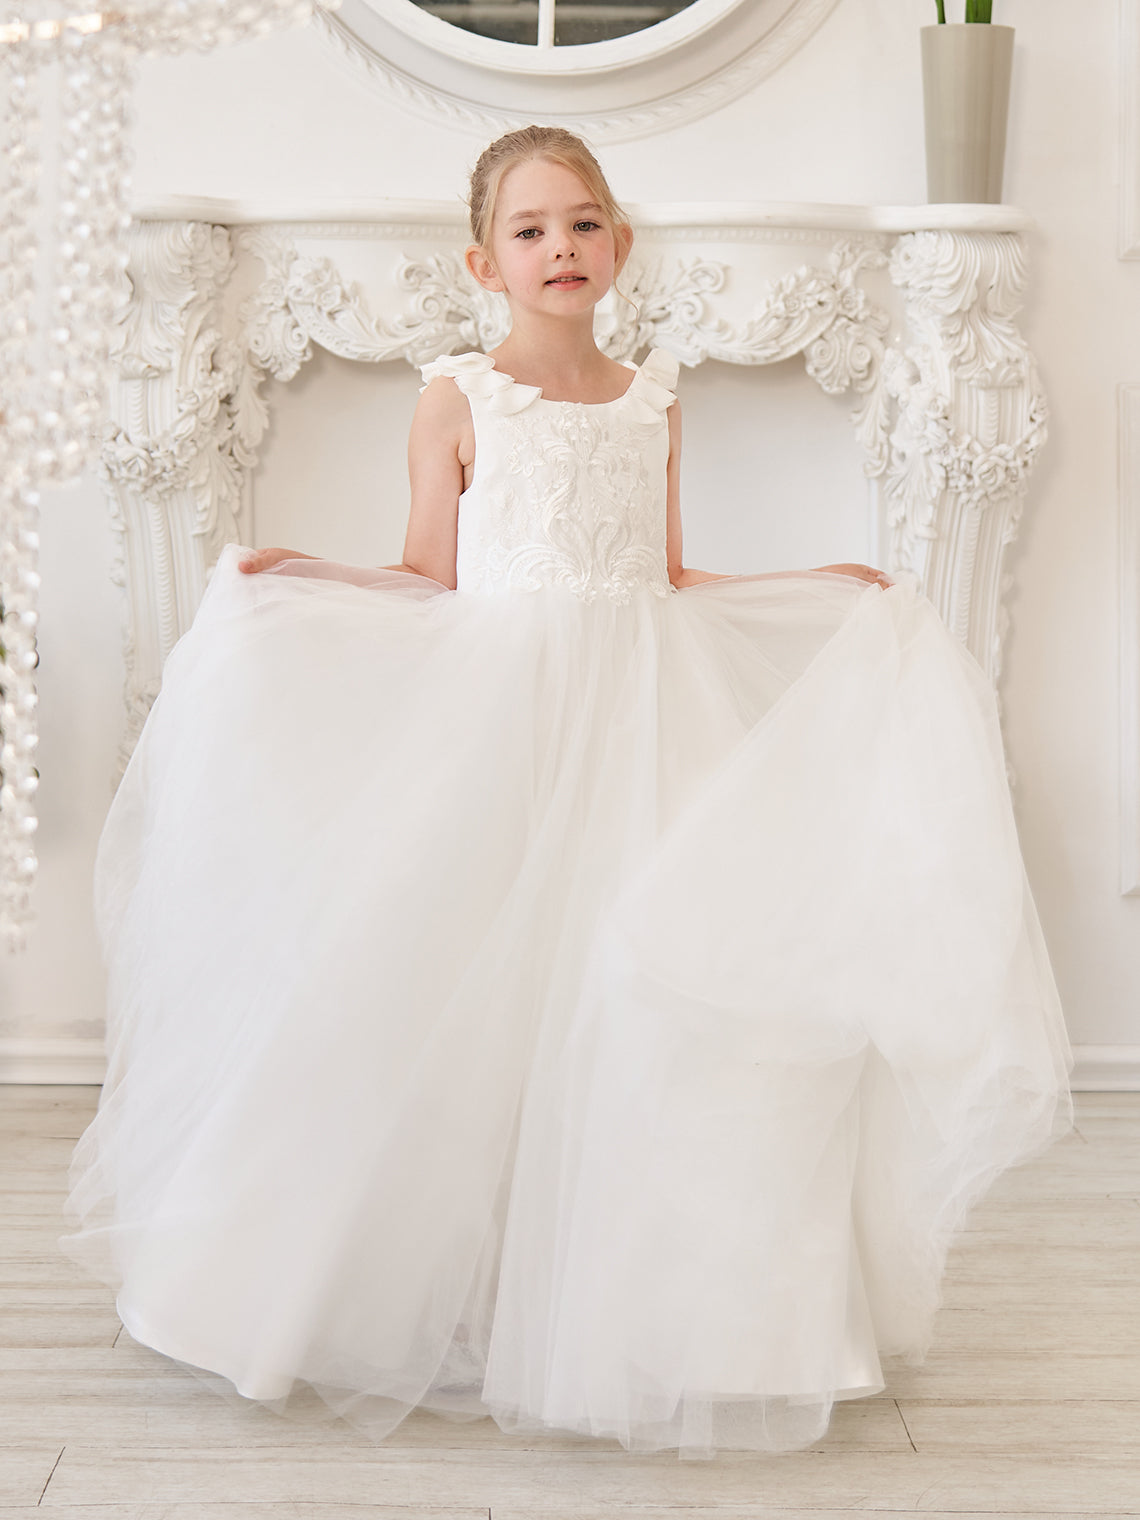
564, 493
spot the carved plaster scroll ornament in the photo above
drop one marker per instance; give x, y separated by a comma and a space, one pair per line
970, 422
184, 431
821, 313
305, 300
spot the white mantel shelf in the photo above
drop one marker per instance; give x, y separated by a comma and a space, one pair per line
451, 216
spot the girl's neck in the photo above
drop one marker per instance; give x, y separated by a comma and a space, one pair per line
559, 356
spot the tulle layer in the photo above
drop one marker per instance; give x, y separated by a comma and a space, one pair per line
595, 1015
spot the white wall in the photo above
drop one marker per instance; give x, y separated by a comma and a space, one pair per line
840, 122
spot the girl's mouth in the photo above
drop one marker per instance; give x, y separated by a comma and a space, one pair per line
568, 279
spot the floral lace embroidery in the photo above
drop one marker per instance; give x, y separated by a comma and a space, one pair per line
565, 495
587, 519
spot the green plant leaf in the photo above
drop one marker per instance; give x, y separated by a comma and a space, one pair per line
942, 12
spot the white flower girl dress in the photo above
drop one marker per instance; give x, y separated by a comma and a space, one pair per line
565, 998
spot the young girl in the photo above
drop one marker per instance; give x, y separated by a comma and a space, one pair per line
547, 981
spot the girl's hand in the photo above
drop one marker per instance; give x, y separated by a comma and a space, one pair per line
262, 559
860, 572
688, 577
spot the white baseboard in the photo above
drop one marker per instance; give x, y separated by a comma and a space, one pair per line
1098, 1068
53, 1062
1106, 1068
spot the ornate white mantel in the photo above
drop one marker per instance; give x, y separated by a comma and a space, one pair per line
947, 405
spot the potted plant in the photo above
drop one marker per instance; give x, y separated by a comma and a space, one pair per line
965, 83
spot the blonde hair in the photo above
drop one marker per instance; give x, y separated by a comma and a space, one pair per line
554, 144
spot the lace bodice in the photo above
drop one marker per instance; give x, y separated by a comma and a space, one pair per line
564, 493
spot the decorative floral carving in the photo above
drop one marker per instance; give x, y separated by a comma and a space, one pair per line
964, 293
667, 305
970, 423
821, 312
446, 304
178, 272
305, 301
180, 441
273, 336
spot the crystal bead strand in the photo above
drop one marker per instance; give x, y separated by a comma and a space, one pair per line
19, 440
19, 582
91, 244
55, 372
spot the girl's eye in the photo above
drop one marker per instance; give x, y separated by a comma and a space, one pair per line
527, 233
585, 226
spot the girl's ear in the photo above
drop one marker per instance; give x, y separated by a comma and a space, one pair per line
623, 242
482, 269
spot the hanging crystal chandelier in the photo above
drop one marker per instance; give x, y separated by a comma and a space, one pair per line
65, 80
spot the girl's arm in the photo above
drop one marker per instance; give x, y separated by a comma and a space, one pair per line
678, 575
440, 444
440, 437
262, 559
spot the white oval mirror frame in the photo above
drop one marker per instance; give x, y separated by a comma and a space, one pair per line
626, 87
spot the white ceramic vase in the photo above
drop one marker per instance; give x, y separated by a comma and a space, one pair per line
966, 71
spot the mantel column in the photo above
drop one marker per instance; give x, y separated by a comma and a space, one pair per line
969, 425
180, 442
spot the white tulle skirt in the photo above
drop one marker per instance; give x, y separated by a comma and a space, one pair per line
594, 1015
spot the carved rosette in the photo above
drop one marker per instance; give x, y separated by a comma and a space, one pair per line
969, 423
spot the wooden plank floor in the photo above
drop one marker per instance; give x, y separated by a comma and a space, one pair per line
1028, 1406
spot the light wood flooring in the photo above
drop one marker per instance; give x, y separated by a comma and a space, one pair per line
1029, 1404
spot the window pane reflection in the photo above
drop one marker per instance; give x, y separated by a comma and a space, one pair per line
575, 21
504, 20
596, 20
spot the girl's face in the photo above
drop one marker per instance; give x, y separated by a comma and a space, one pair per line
553, 249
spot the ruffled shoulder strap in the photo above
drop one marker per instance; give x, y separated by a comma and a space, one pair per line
654, 387
462, 368
476, 376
